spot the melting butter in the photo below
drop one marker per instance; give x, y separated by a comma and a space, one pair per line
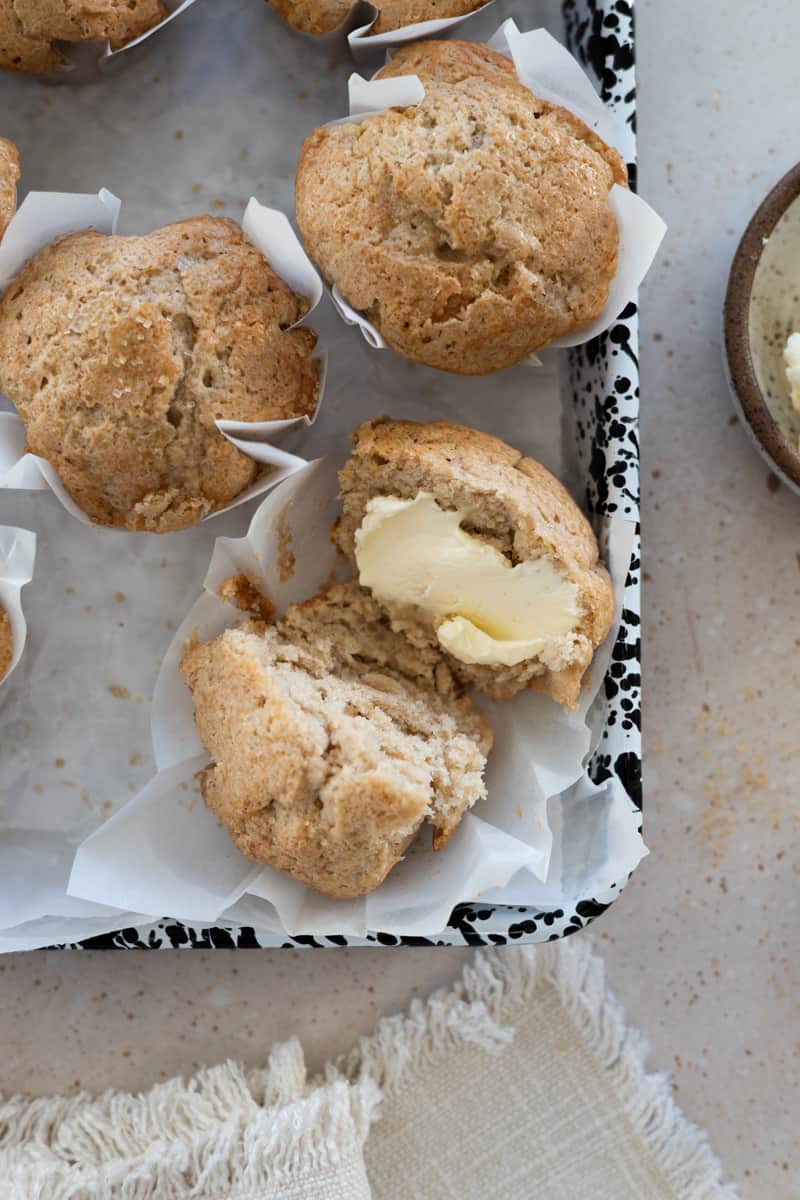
484, 610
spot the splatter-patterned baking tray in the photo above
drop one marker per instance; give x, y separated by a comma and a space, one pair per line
600, 384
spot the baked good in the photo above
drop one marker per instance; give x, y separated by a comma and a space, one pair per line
433, 517
120, 353
471, 229
323, 16
6, 643
313, 16
29, 28
333, 741
9, 174
19, 51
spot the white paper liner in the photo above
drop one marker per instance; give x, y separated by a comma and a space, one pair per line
44, 216
549, 70
44, 932
163, 852
17, 556
86, 61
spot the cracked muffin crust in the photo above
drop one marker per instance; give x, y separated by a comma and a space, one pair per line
323, 16
9, 174
120, 353
471, 229
334, 740
29, 28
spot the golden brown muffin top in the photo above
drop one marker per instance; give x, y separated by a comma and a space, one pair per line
28, 28
470, 229
323, 16
9, 174
120, 353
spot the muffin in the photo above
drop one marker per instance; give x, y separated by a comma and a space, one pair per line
471, 229
323, 16
476, 551
9, 174
6, 643
334, 740
29, 28
121, 353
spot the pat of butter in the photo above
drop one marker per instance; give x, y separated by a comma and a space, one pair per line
412, 552
791, 356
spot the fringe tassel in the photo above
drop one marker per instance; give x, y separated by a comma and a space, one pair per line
483, 1008
224, 1131
230, 1131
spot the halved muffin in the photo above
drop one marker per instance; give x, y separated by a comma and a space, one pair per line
334, 740
473, 548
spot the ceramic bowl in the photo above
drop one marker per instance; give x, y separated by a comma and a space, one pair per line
762, 307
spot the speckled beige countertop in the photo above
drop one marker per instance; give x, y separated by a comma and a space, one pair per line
702, 948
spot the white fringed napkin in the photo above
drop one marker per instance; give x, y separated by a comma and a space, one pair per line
521, 1081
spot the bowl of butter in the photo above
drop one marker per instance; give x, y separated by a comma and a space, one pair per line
762, 329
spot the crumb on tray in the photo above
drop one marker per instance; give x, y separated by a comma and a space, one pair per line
242, 590
286, 558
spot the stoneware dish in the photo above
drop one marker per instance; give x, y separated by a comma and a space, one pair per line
762, 307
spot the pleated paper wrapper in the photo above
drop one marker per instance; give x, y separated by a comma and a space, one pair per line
550, 71
17, 556
88, 61
44, 216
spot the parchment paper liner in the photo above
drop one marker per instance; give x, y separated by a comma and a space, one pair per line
85, 62
44, 216
549, 70
17, 557
165, 852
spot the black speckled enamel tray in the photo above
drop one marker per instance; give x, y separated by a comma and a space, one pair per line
604, 385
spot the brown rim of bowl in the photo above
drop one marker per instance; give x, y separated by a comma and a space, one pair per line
762, 425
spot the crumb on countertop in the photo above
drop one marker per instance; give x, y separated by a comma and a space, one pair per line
192, 638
